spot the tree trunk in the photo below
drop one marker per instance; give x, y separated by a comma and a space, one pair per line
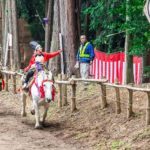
15, 36
3, 16
48, 26
10, 32
5, 32
87, 20
69, 30
3, 25
128, 59
54, 64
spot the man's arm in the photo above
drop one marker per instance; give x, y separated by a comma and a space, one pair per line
91, 50
77, 56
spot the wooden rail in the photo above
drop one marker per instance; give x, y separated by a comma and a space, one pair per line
63, 83
103, 83
13, 75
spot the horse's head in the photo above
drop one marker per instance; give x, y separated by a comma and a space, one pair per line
48, 90
48, 87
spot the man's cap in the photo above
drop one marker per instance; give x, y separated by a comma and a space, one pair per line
35, 45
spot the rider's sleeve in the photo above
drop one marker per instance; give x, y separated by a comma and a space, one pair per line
32, 61
3, 84
47, 56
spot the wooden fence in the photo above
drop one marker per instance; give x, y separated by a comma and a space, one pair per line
103, 83
13, 76
63, 83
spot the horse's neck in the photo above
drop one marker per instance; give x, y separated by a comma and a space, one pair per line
40, 77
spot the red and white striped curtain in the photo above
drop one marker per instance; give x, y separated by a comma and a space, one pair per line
112, 67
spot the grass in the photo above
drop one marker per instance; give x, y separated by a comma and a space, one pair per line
144, 134
81, 135
115, 145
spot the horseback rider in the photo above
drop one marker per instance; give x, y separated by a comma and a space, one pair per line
38, 57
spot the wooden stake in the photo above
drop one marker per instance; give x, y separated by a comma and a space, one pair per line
64, 91
60, 92
0, 86
118, 104
14, 83
148, 109
6, 82
104, 100
73, 99
130, 110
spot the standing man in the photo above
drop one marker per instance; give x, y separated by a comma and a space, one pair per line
84, 57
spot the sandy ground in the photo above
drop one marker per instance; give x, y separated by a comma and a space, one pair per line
89, 128
19, 134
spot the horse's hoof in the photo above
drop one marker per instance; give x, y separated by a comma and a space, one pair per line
42, 123
33, 112
38, 127
23, 114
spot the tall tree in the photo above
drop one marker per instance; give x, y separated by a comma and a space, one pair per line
15, 36
48, 24
70, 32
10, 32
54, 64
128, 58
2, 3
5, 32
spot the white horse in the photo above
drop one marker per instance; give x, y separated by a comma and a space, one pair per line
42, 93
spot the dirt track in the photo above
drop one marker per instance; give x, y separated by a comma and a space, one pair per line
89, 128
19, 134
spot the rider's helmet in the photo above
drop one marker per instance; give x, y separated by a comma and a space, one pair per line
35, 45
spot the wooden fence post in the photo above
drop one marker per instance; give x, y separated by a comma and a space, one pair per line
0, 86
60, 92
104, 99
64, 91
73, 98
130, 102
148, 109
118, 104
1, 80
6, 82
14, 83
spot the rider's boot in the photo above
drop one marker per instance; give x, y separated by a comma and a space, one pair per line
24, 86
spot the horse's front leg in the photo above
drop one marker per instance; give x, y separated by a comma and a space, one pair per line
46, 106
23, 104
37, 114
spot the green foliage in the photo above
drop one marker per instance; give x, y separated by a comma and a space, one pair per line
109, 17
28, 11
147, 72
116, 145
